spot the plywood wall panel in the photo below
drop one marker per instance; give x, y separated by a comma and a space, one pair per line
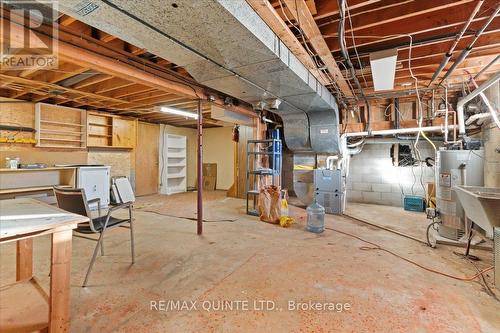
218, 148
118, 160
147, 158
16, 113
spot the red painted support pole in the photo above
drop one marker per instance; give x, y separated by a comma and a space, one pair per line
200, 169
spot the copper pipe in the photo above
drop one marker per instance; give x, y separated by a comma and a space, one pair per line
199, 129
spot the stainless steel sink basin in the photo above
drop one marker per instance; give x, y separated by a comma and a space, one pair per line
481, 205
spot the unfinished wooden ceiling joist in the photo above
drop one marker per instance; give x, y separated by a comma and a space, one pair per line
101, 72
374, 25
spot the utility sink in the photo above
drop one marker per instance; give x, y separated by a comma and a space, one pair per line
481, 205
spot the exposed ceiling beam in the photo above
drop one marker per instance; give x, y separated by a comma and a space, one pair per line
130, 91
328, 8
382, 5
150, 98
64, 71
66, 20
154, 78
301, 14
92, 80
489, 40
278, 26
439, 20
64, 90
393, 14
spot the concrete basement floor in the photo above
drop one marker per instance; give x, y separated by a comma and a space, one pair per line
251, 260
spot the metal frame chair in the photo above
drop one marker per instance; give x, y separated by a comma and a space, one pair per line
75, 201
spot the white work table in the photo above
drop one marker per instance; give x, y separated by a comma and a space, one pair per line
25, 306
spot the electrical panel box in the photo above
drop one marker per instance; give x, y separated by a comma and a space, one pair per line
402, 155
329, 190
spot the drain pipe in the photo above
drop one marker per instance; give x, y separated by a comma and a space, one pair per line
448, 54
345, 54
468, 49
468, 98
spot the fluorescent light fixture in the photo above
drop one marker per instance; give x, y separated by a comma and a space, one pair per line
178, 112
383, 65
228, 116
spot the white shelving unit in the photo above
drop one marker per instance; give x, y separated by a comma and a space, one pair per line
173, 163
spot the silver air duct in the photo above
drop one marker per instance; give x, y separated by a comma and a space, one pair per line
225, 45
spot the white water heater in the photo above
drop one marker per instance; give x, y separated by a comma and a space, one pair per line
455, 167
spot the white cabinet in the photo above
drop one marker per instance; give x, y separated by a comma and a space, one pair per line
96, 182
173, 163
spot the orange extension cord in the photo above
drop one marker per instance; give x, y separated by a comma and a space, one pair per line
380, 248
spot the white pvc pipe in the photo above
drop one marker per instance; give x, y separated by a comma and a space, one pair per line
329, 162
493, 112
401, 131
468, 98
446, 114
477, 116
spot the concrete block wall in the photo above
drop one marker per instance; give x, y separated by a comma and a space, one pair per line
373, 179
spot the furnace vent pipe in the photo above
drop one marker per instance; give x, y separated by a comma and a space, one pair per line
468, 98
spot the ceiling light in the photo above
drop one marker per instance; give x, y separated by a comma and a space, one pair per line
406, 84
383, 65
178, 112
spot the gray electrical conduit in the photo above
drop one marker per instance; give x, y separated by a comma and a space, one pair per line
345, 54
468, 49
448, 54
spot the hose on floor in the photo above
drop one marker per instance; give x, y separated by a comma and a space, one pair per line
376, 247
427, 233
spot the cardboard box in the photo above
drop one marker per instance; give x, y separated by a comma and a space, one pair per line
209, 176
210, 169
209, 183
430, 195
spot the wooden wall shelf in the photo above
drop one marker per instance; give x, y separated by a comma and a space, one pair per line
60, 127
16, 181
110, 131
